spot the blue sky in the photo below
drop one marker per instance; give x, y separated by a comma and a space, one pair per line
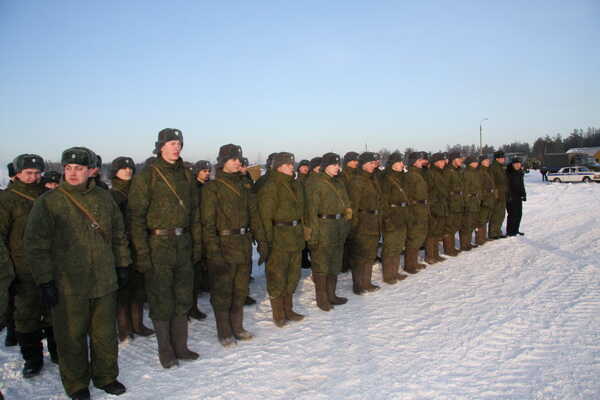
306, 77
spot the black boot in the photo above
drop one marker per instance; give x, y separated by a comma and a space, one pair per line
83, 394
331, 287
11, 336
115, 387
137, 320
51, 343
237, 324
32, 351
305, 258
224, 332
249, 301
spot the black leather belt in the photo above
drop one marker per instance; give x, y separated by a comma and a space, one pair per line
374, 212
392, 205
228, 232
458, 193
491, 190
472, 194
286, 223
330, 216
425, 202
168, 232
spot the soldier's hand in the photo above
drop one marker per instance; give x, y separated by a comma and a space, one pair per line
122, 276
49, 294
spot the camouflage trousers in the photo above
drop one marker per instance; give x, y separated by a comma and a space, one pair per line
228, 284
394, 242
437, 227
497, 217
364, 249
416, 233
327, 259
169, 289
29, 315
485, 214
81, 323
283, 272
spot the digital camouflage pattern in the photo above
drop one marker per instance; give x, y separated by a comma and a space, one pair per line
166, 260
438, 197
417, 191
15, 205
396, 218
281, 200
326, 196
488, 195
456, 200
472, 188
497, 173
227, 205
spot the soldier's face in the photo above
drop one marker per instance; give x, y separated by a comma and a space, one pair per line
29, 175
287, 169
332, 170
440, 164
303, 169
517, 166
474, 164
51, 185
125, 174
370, 166
485, 163
203, 175
317, 169
352, 164
457, 162
398, 166
232, 165
76, 174
170, 151
501, 160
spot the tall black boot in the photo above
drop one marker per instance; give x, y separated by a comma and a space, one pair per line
179, 339
32, 351
11, 335
166, 354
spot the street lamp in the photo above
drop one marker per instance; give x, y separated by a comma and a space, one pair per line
481, 136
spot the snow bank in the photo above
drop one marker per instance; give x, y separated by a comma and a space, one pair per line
516, 319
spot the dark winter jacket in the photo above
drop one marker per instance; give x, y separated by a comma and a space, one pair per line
516, 187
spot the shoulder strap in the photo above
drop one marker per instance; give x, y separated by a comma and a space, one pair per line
229, 186
164, 178
395, 182
23, 195
336, 192
95, 225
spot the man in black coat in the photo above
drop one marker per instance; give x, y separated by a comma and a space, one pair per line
515, 197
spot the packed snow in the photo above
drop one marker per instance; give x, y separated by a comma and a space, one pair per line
515, 319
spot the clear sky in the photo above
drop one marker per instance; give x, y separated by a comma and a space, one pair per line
300, 76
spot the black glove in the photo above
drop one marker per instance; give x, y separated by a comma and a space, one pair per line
49, 294
122, 276
523, 198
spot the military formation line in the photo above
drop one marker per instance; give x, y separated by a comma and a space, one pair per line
78, 260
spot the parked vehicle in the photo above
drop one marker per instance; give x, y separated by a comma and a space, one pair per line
574, 174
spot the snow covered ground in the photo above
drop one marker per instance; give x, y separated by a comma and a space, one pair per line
516, 319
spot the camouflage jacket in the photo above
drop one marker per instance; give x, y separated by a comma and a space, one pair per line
417, 192
472, 187
456, 197
438, 191
152, 205
227, 205
347, 175
61, 243
326, 196
15, 205
120, 193
367, 204
396, 200
281, 201
488, 189
499, 176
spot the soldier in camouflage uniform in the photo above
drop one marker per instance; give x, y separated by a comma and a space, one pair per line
349, 172
418, 200
315, 165
96, 173
248, 183
497, 171
201, 171
302, 175
263, 179
281, 209
367, 222
488, 199
395, 219
472, 190
438, 198
456, 202
32, 320
76, 246
166, 234
326, 223
228, 214
131, 298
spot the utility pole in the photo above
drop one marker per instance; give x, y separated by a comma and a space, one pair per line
481, 136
